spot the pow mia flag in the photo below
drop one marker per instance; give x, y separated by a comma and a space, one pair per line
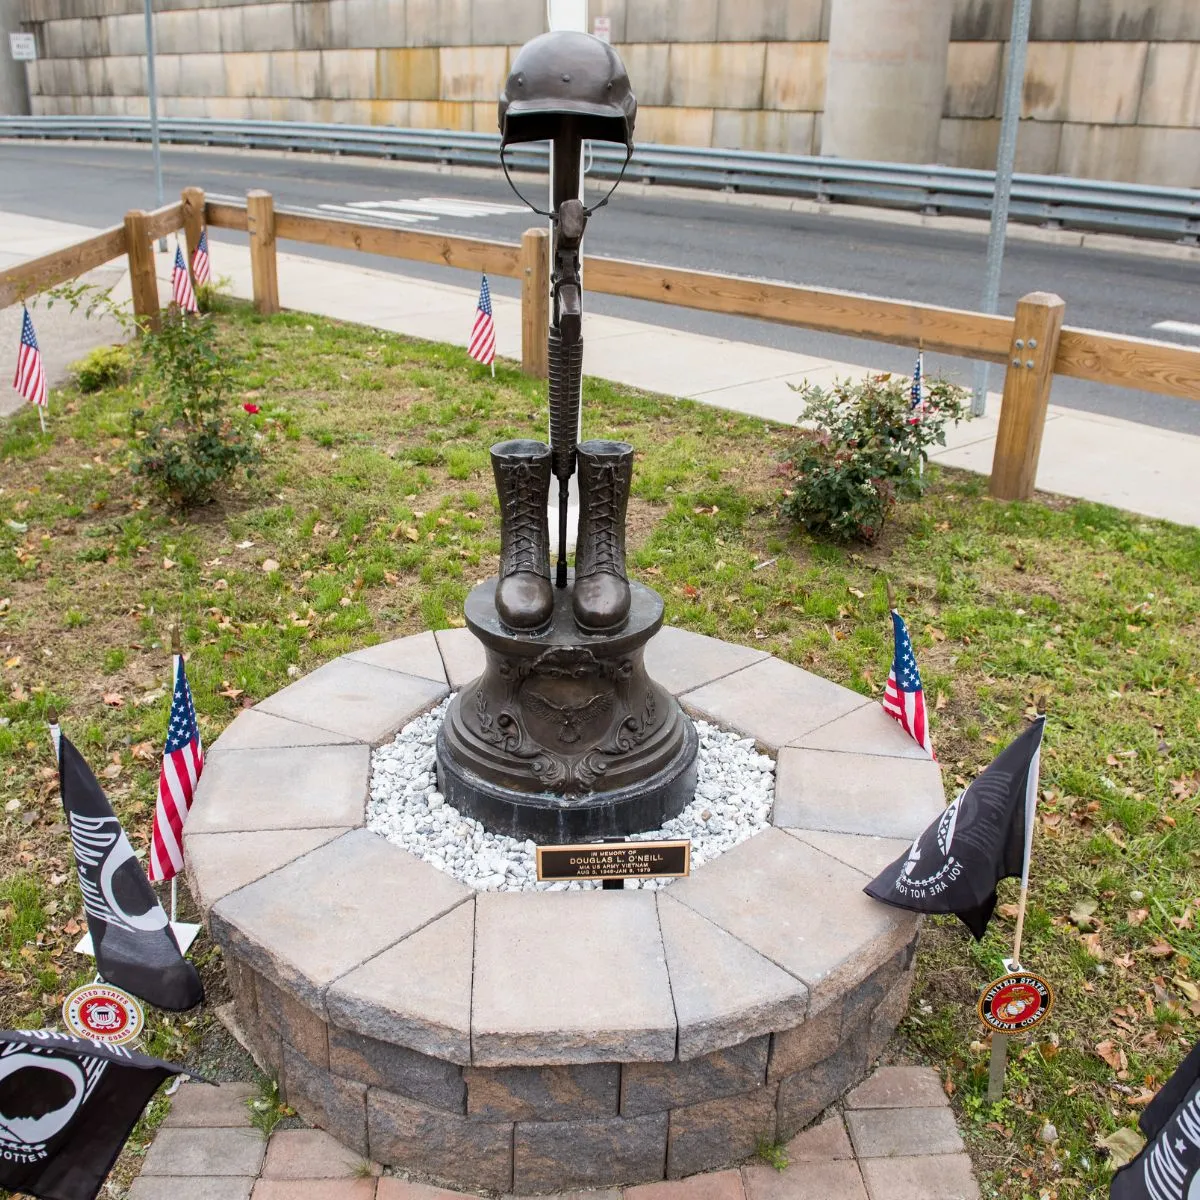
66, 1107
131, 937
1169, 1166
983, 837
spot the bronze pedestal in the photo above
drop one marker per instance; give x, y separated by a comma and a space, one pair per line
565, 738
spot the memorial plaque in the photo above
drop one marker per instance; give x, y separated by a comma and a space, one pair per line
614, 860
23, 47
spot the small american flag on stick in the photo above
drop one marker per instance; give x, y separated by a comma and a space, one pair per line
916, 406
30, 379
482, 346
903, 697
181, 284
183, 760
201, 268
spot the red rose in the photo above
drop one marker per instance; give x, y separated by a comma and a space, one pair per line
251, 408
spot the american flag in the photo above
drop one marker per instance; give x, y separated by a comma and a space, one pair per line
181, 284
183, 760
903, 697
30, 379
482, 346
916, 405
200, 264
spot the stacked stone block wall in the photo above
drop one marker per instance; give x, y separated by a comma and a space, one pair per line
536, 1129
1112, 86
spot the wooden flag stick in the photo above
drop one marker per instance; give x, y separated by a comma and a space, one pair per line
891, 595
996, 1067
42, 416
176, 642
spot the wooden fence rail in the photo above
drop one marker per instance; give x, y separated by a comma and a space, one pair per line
1034, 344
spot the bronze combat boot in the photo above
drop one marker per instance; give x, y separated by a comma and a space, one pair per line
601, 599
524, 597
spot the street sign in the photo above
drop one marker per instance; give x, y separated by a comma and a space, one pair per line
24, 47
602, 28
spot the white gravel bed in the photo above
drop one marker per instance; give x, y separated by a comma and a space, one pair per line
735, 790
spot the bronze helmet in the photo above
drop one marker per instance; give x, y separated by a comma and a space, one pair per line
567, 74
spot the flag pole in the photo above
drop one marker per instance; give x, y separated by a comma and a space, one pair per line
55, 732
42, 416
999, 1059
176, 656
891, 595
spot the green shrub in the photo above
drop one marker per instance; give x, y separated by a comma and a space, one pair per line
860, 449
188, 442
106, 366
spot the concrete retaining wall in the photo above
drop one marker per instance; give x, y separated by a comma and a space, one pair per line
1112, 87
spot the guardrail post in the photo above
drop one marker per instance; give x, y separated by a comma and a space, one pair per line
143, 278
535, 302
260, 222
193, 222
1027, 383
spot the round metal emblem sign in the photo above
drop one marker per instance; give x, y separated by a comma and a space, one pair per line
103, 1014
1015, 1002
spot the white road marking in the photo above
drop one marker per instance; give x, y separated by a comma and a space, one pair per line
399, 218
428, 208
1178, 327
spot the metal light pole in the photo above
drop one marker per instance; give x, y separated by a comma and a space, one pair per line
152, 91
1018, 44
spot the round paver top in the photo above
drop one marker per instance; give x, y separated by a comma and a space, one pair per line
379, 942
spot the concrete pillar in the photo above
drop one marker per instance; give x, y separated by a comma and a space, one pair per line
14, 85
886, 79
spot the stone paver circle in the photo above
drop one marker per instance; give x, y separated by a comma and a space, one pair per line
528, 1041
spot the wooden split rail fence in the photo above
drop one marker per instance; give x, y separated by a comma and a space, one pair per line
1034, 345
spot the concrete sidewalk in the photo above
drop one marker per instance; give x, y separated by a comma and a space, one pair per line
891, 1138
1136, 467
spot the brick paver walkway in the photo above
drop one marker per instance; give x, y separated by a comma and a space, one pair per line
892, 1138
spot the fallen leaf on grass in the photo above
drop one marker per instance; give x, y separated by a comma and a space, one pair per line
1187, 987
1009, 910
1112, 1054
1160, 950
169, 564
13, 662
112, 771
1135, 916
1083, 913
142, 751
114, 699
270, 565
1091, 943
231, 692
1123, 1146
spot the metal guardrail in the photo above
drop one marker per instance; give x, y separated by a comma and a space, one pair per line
1053, 200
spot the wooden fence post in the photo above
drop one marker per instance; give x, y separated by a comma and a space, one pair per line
260, 222
1027, 383
143, 278
193, 223
535, 302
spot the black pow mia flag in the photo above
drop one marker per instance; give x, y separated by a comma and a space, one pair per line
66, 1107
131, 937
1168, 1168
983, 837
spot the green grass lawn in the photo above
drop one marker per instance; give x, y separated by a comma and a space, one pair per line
373, 516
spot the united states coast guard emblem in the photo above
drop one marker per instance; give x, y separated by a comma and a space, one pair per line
103, 1014
1015, 1002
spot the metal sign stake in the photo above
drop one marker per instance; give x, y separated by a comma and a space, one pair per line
1005, 158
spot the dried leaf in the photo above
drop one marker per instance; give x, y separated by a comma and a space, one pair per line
1091, 943
114, 699
1123, 1146
1009, 910
1113, 1055
270, 565
1136, 916
1082, 914
169, 564
1160, 950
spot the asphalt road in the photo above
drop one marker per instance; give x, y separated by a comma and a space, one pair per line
1122, 293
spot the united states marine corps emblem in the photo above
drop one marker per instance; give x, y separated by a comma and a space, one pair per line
1015, 1002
